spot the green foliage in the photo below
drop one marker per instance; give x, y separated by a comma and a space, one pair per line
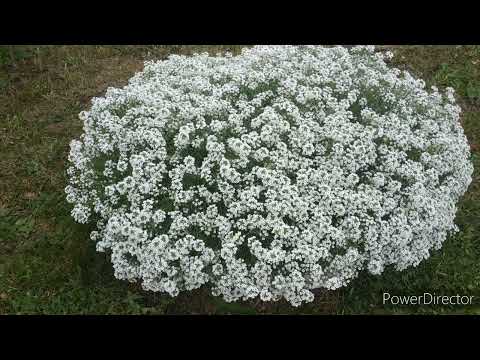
465, 78
11, 54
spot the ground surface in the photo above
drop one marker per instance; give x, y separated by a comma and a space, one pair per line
47, 263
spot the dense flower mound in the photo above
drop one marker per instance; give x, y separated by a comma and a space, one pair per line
271, 173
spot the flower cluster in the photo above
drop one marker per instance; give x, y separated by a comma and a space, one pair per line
268, 174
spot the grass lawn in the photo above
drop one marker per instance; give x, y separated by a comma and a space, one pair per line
47, 263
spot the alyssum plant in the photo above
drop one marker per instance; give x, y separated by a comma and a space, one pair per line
272, 173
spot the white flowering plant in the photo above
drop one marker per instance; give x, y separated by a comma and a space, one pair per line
269, 174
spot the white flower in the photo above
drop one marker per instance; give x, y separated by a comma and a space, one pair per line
268, 174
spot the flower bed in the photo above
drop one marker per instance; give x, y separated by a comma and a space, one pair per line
284, 169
